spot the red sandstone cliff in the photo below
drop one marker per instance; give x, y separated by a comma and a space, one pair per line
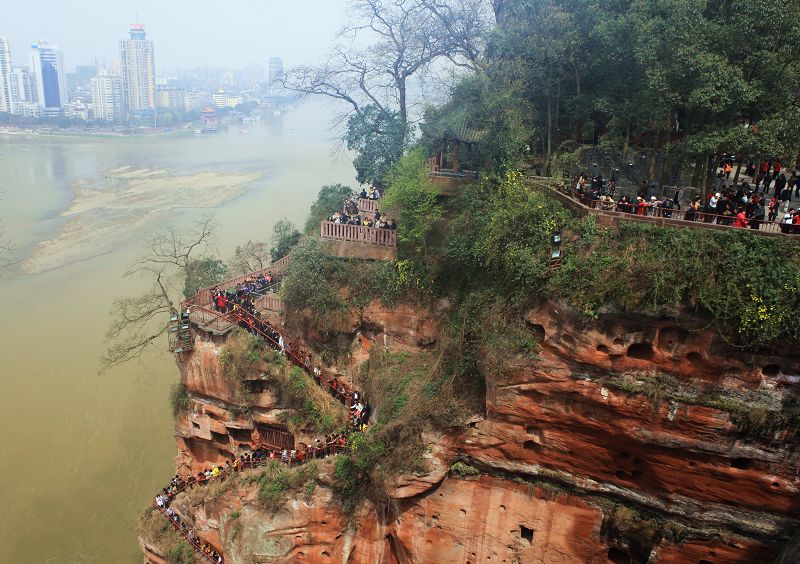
624, 437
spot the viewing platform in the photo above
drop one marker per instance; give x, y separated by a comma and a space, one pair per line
584, 206
359, 241
204, 297
367, 206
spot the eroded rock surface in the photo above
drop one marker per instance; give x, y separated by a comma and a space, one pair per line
614, 412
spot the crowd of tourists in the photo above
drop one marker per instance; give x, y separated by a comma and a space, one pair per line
352, 215
359, 412
163, 501
248, 291
769, 174
740, 206
355, 217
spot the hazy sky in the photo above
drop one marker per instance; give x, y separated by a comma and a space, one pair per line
187, 34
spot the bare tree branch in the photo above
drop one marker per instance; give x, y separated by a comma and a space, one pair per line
137, 322
408, 36
252, 256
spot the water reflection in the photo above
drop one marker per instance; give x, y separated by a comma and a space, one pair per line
92, 450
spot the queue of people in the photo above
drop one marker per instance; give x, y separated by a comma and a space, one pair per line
252, 288
736, 206
163, 501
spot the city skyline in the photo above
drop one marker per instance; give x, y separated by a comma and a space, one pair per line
256, 31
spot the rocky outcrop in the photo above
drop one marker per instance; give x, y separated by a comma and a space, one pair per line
655, 418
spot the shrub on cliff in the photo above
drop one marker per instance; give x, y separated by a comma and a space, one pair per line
178, 399
307, 283
499, 239
411, 200
247, 358
276, 482
410, 394
325, 289
747, 284
181, 553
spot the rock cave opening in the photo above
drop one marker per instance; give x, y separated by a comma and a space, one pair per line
742, 463
618, 556
771, 370
603, 349
526, 533
641, 351
532, 445
240, 435
256, 386
695, 359
221, 438
538, 331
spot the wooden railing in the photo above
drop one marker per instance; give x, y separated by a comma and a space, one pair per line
366, 205
672, 217
204, 297
358, 233
465, 174
210, 320
270, 302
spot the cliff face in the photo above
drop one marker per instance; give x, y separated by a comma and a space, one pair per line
626, 439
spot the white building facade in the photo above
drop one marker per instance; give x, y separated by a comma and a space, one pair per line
6, 97
24, 94
107, 99
137, 67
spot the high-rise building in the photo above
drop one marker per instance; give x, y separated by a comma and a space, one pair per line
23, 93
47, 65
79, 80
107, 97
171, 97
138, 69
276, 73
6, 99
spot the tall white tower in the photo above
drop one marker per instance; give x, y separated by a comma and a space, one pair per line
138, 69
6, 99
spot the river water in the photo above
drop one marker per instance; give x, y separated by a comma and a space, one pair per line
83, 454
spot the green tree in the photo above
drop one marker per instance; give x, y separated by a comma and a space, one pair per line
202, 273
330, 199
378, 138
284, 236
411, 199
307, 282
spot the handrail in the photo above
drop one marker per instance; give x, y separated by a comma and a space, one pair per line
685, 217
330, 448
204, 296
693, 217
367, 205
198, 548
379, 236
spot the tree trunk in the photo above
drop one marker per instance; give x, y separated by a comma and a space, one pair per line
549, 154
697, 175
738, 171
402, 103
664, 170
